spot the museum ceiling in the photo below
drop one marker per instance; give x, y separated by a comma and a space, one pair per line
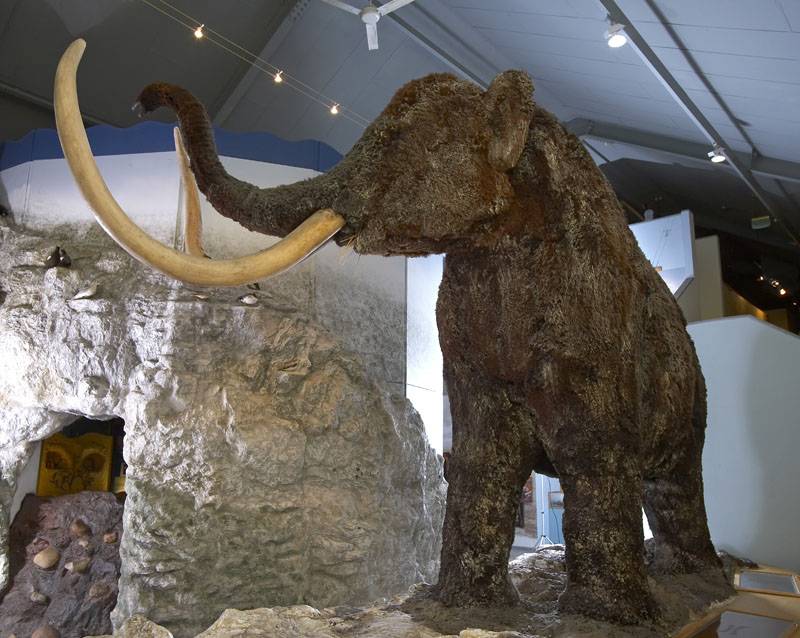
742, 71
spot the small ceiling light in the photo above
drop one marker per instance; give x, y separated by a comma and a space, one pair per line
782, 292
615, 35
335, 109
761, 222
198, 32
278, 77
761, 277
717, 154
775, 283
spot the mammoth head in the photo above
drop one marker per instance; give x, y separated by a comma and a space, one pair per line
430, 174
431, 170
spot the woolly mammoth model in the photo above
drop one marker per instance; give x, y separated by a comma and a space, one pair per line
564, 351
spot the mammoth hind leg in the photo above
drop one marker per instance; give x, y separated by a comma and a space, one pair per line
677, 516
673, 501
606, 577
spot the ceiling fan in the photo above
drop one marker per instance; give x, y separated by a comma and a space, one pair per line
370, 15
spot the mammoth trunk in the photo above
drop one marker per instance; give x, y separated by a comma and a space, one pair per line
272, 211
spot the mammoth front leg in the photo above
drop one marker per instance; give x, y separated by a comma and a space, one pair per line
486, 472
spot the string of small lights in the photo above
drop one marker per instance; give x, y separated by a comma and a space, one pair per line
279, 76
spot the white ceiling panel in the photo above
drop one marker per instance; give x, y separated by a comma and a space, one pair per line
791, 9
745, 42
733, 14
551, 45
538, 7
535, 24
772, 69
746, 108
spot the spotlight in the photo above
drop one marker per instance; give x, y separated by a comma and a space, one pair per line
615, 35
761, 277
335, 109
717, 154
198, 32
782, 292
278, 77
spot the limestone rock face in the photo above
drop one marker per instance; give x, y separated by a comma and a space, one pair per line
265, 467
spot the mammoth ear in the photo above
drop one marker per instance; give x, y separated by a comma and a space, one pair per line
509, 102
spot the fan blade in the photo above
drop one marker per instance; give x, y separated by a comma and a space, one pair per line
343, 5
372, 37
392, 5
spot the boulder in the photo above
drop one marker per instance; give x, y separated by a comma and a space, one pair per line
47, 558
140, 627
45, 631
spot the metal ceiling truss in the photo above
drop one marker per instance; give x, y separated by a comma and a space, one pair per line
688, 152
681, 97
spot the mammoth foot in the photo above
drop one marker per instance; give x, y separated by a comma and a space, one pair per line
625, 607
670, 559
496, 594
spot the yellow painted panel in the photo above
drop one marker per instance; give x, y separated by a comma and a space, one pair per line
70, 465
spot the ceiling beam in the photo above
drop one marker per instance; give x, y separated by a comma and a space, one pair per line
712, 222
695, 114
276, 31
689, 153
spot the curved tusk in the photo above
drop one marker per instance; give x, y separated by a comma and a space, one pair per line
295, 247
192, 219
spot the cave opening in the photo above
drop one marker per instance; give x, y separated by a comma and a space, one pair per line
66, 527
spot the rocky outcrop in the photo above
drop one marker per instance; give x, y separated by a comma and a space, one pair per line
264, 465
64, 573
302, 621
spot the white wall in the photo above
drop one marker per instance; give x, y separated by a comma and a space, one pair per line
42, 193
702, 299
750, 461
424, 381
26, 481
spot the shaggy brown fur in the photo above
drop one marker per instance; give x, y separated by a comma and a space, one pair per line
564, 351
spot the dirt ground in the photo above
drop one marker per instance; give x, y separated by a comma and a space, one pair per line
540, 577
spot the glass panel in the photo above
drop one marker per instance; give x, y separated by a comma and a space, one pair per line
734, 623
749, 579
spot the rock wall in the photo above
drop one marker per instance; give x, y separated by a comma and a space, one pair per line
265, 467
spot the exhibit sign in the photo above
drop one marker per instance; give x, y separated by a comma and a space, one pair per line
668, 242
